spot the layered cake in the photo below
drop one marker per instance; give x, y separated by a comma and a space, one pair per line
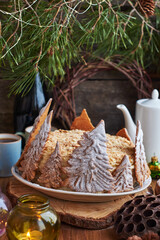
83, 159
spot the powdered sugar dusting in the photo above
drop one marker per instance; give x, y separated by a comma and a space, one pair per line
31, 158
141, 167
123, 176
51, 172
89, 163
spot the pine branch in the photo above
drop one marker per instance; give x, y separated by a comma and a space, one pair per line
52, 36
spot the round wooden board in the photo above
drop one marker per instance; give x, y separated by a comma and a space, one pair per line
85, 215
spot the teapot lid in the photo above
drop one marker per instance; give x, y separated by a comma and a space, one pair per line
154, 102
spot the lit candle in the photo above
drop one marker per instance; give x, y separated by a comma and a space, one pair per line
28, 236
24, 236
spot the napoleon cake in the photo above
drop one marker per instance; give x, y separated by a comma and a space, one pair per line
83, 159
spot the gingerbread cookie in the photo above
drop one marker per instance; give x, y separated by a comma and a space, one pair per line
51, 173
123, 176
142, 170
124, 133
36, 127
89, 164
31, 158
82, 122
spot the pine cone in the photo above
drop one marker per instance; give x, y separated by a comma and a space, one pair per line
147, 7
150, 236
134, 237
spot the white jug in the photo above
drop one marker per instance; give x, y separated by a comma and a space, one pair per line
148, 112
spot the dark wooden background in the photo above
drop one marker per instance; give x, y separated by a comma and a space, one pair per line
6, 108
101, 94
98, 95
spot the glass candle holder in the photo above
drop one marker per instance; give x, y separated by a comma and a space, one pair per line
5, 207
33, 219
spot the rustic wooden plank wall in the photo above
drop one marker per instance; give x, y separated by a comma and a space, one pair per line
6, 108
102, 93
98, 95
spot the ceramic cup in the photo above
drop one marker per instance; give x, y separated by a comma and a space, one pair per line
10, 151
27, 132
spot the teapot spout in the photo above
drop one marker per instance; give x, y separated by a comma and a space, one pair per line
129, 124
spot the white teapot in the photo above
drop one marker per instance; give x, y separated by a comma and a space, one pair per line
148, 112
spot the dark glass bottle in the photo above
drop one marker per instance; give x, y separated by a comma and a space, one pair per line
27, 108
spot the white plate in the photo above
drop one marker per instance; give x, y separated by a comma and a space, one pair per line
78, 196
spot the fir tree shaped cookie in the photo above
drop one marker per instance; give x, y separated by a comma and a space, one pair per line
123, 176
89, 164
142, 170
36, 127
51, 171
29, 163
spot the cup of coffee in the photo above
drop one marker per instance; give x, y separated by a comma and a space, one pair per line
10, 152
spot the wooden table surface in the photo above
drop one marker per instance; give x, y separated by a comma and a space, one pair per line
72, 233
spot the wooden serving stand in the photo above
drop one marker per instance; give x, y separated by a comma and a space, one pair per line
84, 215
